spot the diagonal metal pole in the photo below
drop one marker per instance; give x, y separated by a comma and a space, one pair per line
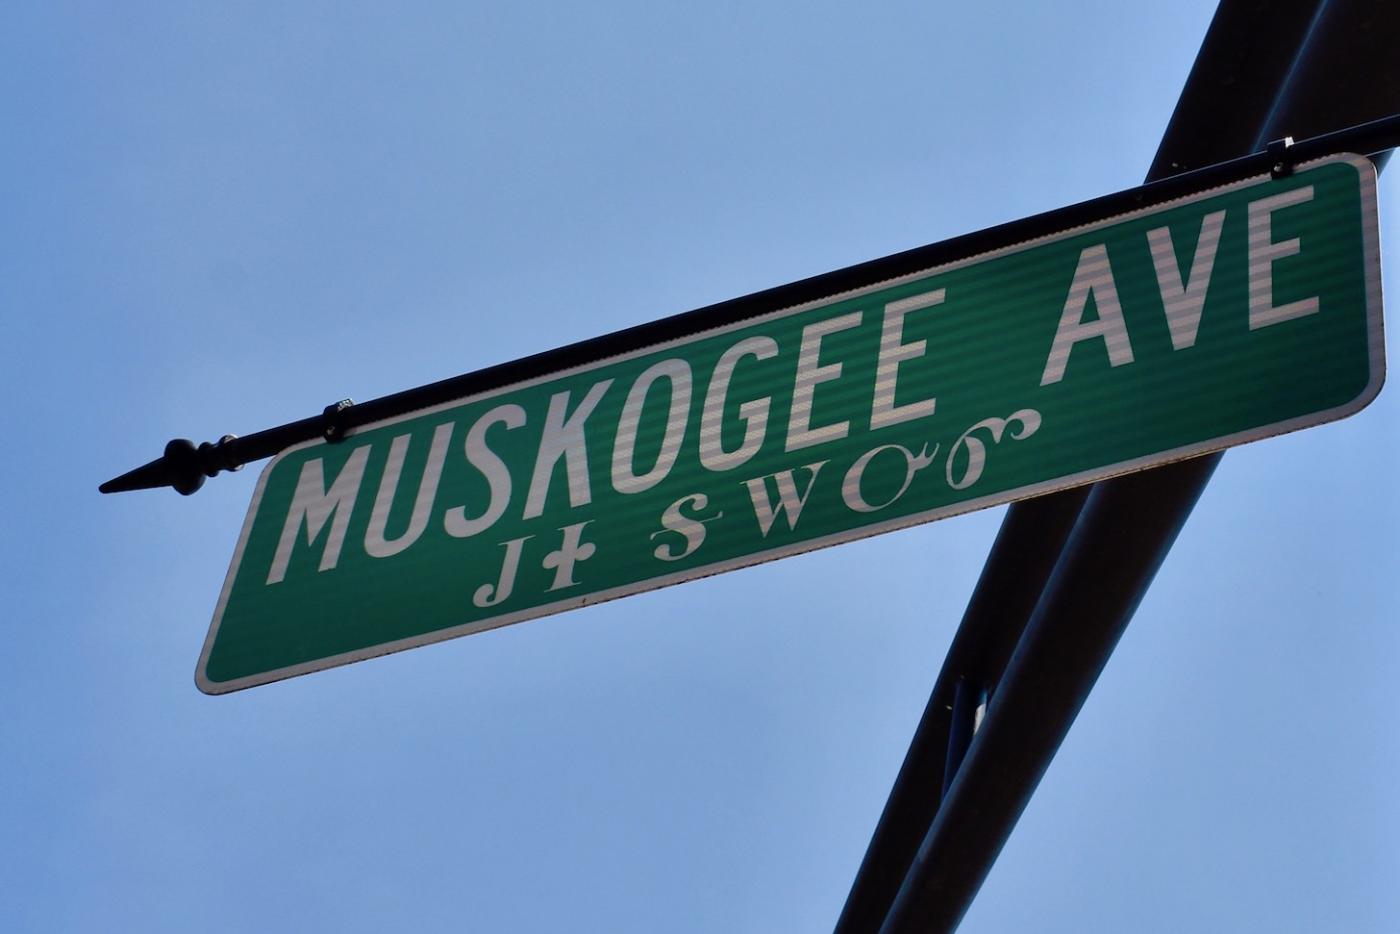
1034, 532
1253, 80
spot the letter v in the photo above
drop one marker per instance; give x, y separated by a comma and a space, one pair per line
1182, 303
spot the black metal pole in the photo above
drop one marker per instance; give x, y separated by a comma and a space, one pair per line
1226, 98
1096, 586
969, 702
1019, 564
1127, 524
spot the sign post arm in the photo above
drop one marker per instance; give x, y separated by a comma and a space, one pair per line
1128, 523
184, 465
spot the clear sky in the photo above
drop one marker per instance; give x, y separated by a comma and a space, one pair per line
222, 217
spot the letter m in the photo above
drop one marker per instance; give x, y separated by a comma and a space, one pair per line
314, 505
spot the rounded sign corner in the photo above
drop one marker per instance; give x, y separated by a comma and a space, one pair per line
1368, 393
208, 687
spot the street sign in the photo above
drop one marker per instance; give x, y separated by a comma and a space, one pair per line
1228, 316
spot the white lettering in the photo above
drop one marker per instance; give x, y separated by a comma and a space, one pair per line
376, 545
1264, 252
1182, 302
1029, 420
482, 597
884, 412
789, 502
809, 375
571, 551
564, 437
692, 530
623, 479
850, 487
1092, 276
492, 468
754, 414
313, 504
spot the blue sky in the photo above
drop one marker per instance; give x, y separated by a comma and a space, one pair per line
219, 218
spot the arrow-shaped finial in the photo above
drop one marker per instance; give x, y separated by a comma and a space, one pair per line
183, 466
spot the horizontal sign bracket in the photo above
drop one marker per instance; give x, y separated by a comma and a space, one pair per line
1281, 151
184, 465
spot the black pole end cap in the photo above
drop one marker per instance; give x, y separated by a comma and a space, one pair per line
182, 460
183, 466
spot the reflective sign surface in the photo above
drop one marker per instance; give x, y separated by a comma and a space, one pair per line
1230, 316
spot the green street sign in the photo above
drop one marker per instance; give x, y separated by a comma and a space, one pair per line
1231, 315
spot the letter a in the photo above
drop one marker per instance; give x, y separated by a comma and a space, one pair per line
1093, 276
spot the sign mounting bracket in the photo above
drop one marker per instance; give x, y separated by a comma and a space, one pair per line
184, 465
